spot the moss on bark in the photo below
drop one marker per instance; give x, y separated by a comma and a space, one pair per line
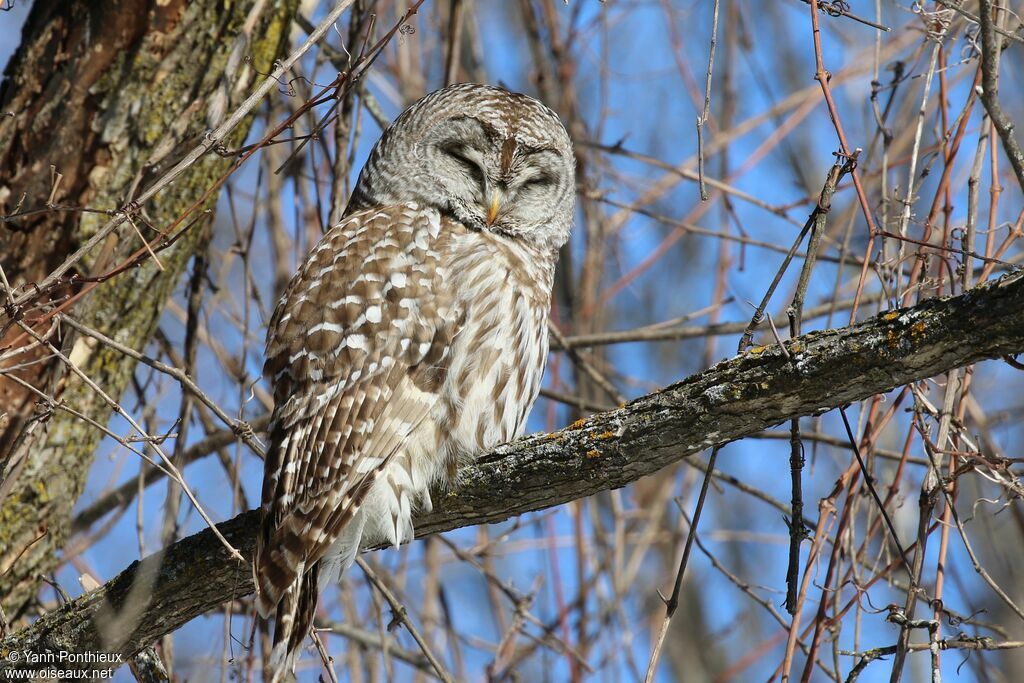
115, 92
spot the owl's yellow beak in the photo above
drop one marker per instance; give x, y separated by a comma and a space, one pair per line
494, 208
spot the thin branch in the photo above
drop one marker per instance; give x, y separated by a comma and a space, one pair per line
703, 118
990, 51
400, 616
209, 142
672, 603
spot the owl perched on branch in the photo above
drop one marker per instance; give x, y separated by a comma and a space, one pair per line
413, 338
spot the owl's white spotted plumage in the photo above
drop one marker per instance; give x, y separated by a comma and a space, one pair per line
412, 340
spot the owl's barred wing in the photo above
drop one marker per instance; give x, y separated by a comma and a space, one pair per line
354, 350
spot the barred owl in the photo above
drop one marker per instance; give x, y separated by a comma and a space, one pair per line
412, 339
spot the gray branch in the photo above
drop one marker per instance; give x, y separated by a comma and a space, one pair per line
735, 398
991, 49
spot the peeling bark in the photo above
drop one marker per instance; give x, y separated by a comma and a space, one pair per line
733, 399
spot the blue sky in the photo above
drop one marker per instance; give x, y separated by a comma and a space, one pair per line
650, 110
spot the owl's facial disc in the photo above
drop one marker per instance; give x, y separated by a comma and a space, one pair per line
491, 159
493, 181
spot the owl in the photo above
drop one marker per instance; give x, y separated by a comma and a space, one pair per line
412, 340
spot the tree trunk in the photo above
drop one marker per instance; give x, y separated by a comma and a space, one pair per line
99, 100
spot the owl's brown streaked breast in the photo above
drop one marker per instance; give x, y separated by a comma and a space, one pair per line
496, 363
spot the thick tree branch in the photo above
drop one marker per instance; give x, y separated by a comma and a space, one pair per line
733, 399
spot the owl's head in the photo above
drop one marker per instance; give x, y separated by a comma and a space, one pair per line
492, 159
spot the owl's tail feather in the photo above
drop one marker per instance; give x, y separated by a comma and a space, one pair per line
291, 626
279, 563
286, 590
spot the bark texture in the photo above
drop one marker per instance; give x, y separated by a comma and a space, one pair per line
109, 94
736, 397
